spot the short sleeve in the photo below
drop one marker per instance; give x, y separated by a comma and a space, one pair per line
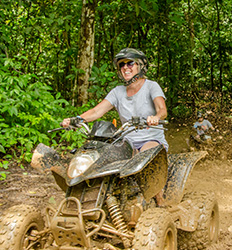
209, 124
112, 97
195, 125
155, 90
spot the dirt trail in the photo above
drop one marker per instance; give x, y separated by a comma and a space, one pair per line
214, 173
216, 176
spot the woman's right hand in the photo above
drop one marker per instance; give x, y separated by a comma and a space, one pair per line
65, 123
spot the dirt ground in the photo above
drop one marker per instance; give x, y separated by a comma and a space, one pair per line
213, 173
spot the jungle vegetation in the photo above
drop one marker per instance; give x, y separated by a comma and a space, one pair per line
56, 61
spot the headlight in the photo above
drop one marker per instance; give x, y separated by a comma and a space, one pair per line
80, 163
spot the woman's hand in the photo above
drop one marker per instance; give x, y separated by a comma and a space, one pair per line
65, 123
152, 120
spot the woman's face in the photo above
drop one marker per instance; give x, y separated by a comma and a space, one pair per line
128, 68
200, 119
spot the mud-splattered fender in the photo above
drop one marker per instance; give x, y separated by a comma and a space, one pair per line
150, 170
44, 158
179, 169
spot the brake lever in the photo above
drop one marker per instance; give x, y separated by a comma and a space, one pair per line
161, 122
157, 127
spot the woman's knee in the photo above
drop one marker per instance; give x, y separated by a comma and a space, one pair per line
148, 145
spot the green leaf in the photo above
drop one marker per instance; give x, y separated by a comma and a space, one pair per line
137, 9
2, 149
28, 30
12, 111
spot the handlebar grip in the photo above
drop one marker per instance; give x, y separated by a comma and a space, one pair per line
165, 122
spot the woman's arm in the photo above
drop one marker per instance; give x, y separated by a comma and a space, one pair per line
98, 111
92, 114
161, 111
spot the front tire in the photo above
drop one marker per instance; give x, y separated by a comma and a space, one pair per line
207, 230
16, 226
155, 230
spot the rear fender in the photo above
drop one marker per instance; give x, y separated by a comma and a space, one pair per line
179, 169
149, 169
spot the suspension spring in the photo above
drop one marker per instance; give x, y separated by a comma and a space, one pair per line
116, 214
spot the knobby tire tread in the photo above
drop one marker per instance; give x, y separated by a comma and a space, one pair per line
13, 224
200, 238
151, 229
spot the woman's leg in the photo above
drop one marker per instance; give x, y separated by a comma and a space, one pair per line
148, 145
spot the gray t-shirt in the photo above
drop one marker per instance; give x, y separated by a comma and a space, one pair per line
207, 124
141, 104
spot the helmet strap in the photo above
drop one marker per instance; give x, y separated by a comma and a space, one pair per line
134, 78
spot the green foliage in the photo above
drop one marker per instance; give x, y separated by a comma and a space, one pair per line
3, 165
68, 139
28, 110
44, 37
182, 111
102, 81
72, 139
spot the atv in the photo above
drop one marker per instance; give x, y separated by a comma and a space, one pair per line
204, 142
110, 202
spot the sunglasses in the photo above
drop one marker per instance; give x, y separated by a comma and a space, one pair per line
129, 64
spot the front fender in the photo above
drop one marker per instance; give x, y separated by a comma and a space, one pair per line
150, 170
44, 158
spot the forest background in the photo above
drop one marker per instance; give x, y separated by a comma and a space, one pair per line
56, 62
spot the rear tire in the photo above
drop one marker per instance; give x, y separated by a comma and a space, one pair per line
208, 224
155, 230
16, 226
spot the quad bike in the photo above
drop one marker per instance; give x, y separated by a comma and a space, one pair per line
110, 204
199, 143
206, 141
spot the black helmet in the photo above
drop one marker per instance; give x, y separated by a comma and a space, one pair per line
199, 114
135, 55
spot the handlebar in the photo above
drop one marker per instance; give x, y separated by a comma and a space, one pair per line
70, 127
141, 123
164, 122
57, 129
135, 122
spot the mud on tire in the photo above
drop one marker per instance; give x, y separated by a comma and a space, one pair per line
208, 225
155, 230
16, 225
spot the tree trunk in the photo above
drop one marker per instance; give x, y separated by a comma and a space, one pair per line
86, 53
191, 47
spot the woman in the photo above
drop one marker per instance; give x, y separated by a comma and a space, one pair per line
138, 97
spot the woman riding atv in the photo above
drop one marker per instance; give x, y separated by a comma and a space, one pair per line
137, 97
